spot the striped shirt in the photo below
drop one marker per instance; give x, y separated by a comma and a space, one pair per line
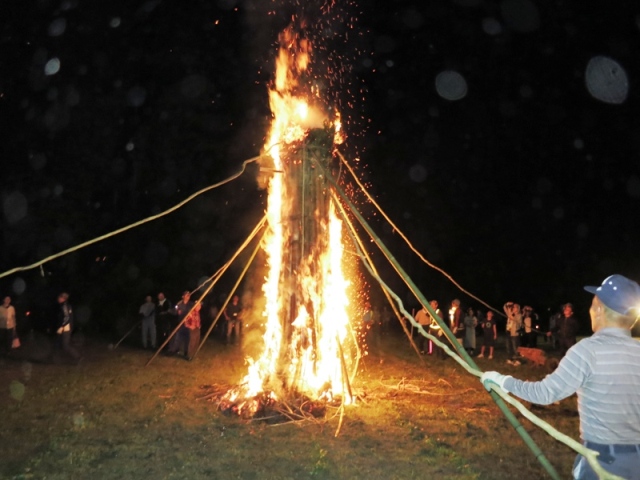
604, 371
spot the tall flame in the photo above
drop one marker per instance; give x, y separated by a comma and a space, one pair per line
306, 319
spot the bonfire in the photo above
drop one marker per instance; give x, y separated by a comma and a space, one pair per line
308, 340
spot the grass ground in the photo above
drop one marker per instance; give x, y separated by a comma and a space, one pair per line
112, 417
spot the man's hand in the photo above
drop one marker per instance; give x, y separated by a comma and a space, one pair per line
495, 378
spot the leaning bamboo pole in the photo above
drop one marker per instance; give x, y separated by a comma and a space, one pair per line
519, 428
232, 292
214, 279
347, 220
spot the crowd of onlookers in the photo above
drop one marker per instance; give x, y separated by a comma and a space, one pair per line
478, 330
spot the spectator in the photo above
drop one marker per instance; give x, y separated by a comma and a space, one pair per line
455, 317
148, 313
566, 329
530, 327
192, 323
436, 330
514, 324
7, 325
64, 327
233, 315
470, 324
490, 335
166, 316
422, 317
180, 341
603, 371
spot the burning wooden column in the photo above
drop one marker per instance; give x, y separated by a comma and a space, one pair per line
308, 239
305, 316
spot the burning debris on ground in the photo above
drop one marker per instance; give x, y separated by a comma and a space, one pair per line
266, 407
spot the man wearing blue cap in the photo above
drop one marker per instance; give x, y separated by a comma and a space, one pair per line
604, 371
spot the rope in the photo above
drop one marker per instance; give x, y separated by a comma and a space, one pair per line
408, 242
133, 225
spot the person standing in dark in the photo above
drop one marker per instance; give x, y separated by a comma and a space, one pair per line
422, 317
165, 316
436, 330
180, 340
566, 329
7, 325
148, 314
193, 323
233, 315
455, 317
489, 335
529, 321
64, 326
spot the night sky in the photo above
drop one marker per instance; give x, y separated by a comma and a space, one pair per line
499, 136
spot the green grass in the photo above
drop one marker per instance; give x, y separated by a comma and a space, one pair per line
113, 418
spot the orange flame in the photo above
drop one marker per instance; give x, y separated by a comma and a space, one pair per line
314, 351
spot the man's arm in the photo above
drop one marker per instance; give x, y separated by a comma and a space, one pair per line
571, 374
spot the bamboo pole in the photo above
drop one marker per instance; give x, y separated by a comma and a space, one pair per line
233, 290
213, 282
519, 428
127, 334
355, 236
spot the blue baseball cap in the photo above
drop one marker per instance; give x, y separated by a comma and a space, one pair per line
618, 293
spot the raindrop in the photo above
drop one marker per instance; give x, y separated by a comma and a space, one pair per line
450, 85
521, 15
133, 272
57, 27
130, 146
16, 389
526, 91
15, 207
491, 26
418, 173
82, 314
384, 44
227, 4
558, 213
156, 254
73, 97
193, 86
136, 96
52, 66
578, 144
150, 6
606, 80
114, 22
633, 186
37, 161
19, 286
118, 166
58, 189
412, 18
467, 3
63, 236
582, 230
68, 5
